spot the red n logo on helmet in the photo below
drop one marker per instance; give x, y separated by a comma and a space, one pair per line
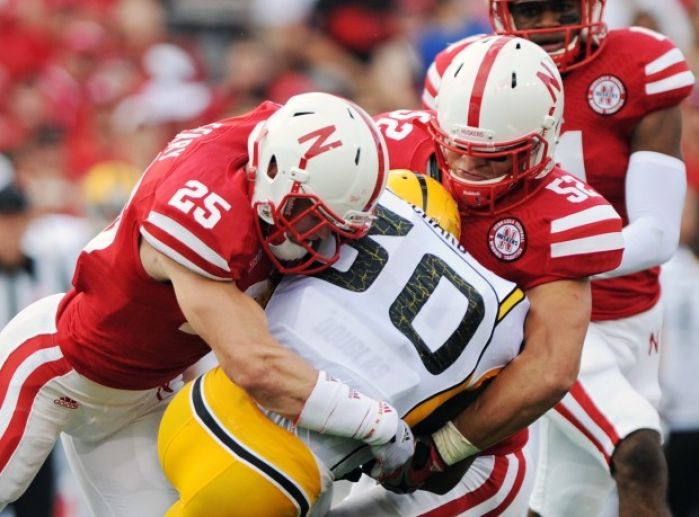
549, 79
319, 145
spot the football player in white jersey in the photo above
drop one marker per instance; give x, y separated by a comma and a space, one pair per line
405, 314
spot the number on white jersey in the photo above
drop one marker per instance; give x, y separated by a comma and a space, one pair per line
423, 283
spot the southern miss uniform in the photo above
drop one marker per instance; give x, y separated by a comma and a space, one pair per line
405, 316
566, 230
636, 73
92, 363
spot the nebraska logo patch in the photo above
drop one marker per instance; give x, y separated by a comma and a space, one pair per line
606, 95
507, 239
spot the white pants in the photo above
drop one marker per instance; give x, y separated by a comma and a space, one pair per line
110, 435
616, 394
493, 485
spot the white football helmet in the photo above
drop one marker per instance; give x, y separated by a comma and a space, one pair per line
319, 166
500, 98
582, 38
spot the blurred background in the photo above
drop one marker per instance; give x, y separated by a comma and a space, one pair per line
91, 90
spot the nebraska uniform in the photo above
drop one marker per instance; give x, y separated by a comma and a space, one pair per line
565, 231
96, 362
636, 73
405, 315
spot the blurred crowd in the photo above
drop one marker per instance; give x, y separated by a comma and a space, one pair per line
98, 86
89, 84
91, 90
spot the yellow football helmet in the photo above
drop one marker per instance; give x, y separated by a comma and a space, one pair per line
429, 195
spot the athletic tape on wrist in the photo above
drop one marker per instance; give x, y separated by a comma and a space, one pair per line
452, 445
335, 408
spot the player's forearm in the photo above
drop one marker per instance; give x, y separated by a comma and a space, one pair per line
541, 375
236, 329
519, 395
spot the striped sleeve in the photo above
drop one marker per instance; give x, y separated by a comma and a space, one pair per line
667, 78
176, 241
589, 241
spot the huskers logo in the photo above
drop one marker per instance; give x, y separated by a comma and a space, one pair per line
507, 239
549, 79
319, 145
606, 95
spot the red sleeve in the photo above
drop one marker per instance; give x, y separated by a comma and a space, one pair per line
200, 214
583, 231
408, 142
565, 231
661, 70
203, 224
201, 218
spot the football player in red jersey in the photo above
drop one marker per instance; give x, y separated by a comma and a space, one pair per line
492, 139
220, 206
621, 134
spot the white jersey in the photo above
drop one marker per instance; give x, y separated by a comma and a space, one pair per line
407, 316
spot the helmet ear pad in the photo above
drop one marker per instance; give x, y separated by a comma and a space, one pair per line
318, 165
500, 99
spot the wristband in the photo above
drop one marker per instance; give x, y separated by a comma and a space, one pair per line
452, 445
335, 408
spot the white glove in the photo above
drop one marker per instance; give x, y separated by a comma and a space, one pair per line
393, 454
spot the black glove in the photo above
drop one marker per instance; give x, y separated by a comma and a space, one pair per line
425, 462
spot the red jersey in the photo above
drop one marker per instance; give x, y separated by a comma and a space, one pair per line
567, 230
118, 326
638, 71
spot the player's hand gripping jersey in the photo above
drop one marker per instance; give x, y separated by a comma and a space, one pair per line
192, 204
638, 72
565, 230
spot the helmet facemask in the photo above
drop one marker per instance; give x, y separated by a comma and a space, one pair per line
528, 158
302, 235
579, 37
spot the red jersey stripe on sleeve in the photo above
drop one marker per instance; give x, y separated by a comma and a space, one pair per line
178, 243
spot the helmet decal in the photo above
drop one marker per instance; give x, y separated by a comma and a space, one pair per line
319, 137
550, 81
476, 101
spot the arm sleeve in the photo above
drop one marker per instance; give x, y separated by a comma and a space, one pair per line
655, 189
